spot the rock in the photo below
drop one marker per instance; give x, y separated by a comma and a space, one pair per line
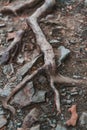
37, 127
6, 91
2, 25
27, 95
3, 121
63, 52
85, 2
83, 119
54, 41
8, 69
39, 97
59, 127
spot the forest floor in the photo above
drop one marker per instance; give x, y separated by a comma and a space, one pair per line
65, 26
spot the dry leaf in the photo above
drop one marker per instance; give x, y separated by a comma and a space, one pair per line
74, 117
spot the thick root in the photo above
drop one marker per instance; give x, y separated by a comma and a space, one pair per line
67, 80
14, 7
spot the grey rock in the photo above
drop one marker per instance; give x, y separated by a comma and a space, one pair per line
85, 2
63, 52
83, 119
2, 25
59, 127
39, 97
54, 41
74, 93
3, 121
8, 69
69, 101
37, 127
27, 96
6, 91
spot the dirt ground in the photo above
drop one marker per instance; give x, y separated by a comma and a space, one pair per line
67, 23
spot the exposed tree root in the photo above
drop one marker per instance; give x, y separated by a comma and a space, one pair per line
18, 87
47, 50
14, 7
5, 55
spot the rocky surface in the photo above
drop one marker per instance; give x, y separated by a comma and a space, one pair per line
65, 29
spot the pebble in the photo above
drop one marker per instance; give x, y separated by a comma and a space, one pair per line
60, 127
85, 2
37, 127
68, 101
74, 93
2, 25
83, 119
64, 52
54, 41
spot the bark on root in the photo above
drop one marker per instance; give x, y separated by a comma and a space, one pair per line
47, 50
15, 7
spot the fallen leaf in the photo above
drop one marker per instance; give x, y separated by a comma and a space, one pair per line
74, 116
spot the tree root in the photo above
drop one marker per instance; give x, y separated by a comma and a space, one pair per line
5, 55
13, 8
47, 50
18, 87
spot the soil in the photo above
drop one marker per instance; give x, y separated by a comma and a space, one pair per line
68, 24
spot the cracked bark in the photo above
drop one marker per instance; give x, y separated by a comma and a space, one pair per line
47, 50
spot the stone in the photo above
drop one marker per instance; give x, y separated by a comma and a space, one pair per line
8, 69
2, 25
27, 95
60, 127
3, 121
63, 52
83, 119
37, 127
85, 2
54, 41
6, 91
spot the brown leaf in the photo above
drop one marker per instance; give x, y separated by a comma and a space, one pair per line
74, 116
